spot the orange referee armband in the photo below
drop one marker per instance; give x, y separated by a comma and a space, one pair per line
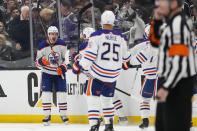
178, 49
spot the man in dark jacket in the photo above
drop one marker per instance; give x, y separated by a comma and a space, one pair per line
19, 30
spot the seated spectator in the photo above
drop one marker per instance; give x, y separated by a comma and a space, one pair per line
21, 24
46, 15
5, 50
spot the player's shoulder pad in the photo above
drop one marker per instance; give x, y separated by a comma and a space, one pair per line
61, 42
96, 33
83, 46
42, 45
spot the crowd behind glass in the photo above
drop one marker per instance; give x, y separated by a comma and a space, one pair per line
15, 40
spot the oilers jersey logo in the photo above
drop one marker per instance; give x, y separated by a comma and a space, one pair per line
52, 59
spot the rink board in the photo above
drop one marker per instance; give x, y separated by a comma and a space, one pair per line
20, 101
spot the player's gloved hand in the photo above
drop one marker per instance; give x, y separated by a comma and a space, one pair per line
75, 56
43, 61
62, 69
125, 65
76, 68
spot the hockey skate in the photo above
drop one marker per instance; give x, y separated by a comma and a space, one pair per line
101, 121
145, 123
123, 120
46, 121
109, 127
64, 119
95, 127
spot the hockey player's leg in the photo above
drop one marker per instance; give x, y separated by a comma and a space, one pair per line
62, 103
108, 112
145, 112
46, 104
93, 112
60, 85
119, 110
100, 117
146, 92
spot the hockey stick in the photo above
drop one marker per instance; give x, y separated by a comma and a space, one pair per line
53, 53
79, 25
111, 86
79, 21
134, 78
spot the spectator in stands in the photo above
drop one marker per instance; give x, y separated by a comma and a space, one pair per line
26, 2
2, 7
46, 15
10, 5
4, 32
47, 20
14, 12
5, 50
69, 25
21, 24
38, 34
132, 3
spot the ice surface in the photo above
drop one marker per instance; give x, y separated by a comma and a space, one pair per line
62, 127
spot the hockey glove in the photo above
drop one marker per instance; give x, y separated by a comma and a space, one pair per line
43, 61
76, 68
125, 65
62, 69
75, 56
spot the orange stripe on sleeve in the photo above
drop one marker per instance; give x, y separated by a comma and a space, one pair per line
141, 58
90, 56
178, 49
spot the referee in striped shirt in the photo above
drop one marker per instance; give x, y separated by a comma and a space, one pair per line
176, 66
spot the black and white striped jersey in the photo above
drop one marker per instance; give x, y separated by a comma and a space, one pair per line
176, 52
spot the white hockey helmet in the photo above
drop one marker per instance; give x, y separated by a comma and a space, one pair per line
146, 31
52, 29
88, 31
107, 17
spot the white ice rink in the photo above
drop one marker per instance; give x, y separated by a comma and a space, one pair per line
62, 127
69, 127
